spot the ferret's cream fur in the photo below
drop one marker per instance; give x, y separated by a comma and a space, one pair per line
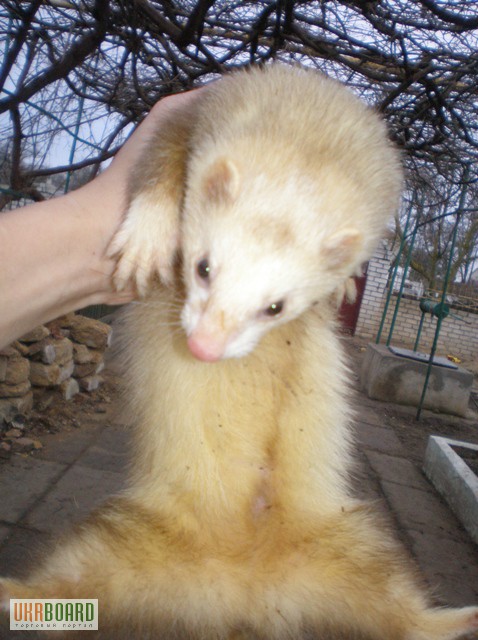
238, 522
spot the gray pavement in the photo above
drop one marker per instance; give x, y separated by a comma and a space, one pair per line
444, 553
41, 496
76, 470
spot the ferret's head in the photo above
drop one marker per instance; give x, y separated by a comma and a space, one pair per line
261, 248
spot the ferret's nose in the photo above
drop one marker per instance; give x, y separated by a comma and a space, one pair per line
205, 348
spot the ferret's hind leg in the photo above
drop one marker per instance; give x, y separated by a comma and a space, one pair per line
446, 624
109, 557
364, 582
147, 240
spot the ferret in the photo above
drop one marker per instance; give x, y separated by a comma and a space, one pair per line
254, 204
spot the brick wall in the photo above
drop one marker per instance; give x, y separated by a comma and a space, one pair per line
456, 337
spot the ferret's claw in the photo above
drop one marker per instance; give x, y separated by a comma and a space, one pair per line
136, 261
143, 246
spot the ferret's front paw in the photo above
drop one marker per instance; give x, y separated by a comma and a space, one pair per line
145, 244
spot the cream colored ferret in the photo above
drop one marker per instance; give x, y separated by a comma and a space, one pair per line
238, 522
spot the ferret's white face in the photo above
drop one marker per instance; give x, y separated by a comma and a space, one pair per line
235, 294
249, 268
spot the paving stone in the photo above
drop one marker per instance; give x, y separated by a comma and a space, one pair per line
367, 413
110, 452
382, 439
365, 485
5, 531
22, 482
67, 446
450, 567
116, 436
74, 496
22, 551
366, 489
396, 469
422, 511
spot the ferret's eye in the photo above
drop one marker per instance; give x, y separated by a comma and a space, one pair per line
275, 309
203, 269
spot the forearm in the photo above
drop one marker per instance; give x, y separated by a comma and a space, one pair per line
53, 258
53, 253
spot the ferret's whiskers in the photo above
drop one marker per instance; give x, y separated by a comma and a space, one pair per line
166, 307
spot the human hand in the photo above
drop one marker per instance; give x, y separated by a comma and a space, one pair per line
107, 194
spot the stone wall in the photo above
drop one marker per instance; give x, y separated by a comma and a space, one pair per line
457, 337
65, 355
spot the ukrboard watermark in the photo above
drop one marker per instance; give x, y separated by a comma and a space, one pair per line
53, 615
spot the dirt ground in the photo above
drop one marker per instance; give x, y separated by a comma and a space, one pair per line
55, 415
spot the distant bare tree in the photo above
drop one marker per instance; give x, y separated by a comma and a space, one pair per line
436, 203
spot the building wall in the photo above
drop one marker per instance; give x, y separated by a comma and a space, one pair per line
457, 337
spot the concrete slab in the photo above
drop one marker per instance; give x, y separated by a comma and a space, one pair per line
368, 412
365, 486
23, 550
79, 490
419, 510
454, 480
23, 482
458, 586
67, 445
399, 470
115, 437
382, 439
386, 376
110, 451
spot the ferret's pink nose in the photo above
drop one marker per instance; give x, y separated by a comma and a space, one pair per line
205, 349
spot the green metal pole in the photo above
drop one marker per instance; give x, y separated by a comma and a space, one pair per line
429, 368
444, 292
404, 277
394, 274
419, 332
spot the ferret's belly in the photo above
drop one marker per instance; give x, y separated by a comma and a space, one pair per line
237, 441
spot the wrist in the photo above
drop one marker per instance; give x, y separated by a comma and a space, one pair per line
54, 262
97, 211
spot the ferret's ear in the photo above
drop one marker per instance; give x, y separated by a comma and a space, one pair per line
222, 181
341, 247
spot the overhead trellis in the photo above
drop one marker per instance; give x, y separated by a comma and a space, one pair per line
415, 60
